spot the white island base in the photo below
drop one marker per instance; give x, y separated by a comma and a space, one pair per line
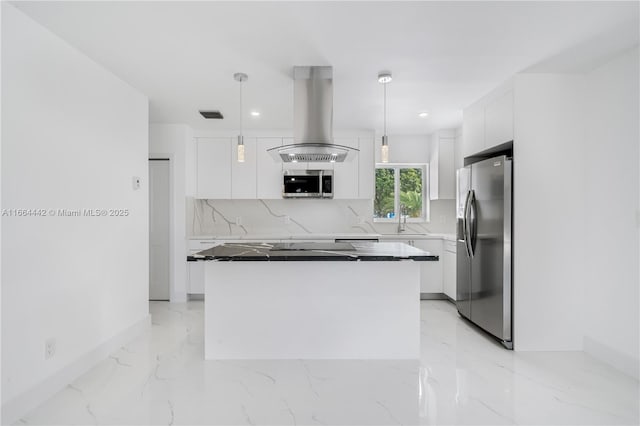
312, 310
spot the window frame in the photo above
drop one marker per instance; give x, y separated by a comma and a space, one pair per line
396, 191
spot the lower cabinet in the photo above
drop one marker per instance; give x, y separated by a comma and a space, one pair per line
430, 272
195, 270
449, 269
195, 282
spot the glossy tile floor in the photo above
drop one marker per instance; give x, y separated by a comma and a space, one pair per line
462, 378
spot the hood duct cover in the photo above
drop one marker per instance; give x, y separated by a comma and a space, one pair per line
312, 120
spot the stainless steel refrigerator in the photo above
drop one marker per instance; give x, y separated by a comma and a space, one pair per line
484, 244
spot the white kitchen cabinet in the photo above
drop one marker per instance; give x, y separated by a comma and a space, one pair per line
442, 176
366, 168
449, 269
301, 166
473, 129
195, 282
213, 168
431, 271
345, 175
195, 270
268, 171
498, 117
243, 175
489, 122
220, 176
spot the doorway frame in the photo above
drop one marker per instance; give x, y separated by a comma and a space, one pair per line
172, 254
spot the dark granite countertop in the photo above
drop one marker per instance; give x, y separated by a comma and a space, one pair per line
352, 251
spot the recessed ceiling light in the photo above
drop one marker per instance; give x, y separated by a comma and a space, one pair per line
255, 113
423, 114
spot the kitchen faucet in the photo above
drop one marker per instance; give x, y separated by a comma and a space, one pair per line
402, 218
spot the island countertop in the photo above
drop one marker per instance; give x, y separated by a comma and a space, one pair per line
308, 251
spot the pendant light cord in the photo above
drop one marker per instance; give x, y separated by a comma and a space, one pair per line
241, 107
385, 108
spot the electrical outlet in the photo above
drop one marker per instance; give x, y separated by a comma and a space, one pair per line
239, 220
49, 348
286, 220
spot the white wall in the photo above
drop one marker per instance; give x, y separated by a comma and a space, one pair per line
549, 216
73, 137
173, 141
406, 148
612, 325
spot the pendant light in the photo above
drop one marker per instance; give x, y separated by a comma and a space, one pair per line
384, 77
241, 78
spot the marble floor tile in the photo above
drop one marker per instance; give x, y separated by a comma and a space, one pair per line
462, 377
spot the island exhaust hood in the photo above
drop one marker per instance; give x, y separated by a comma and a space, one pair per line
312, 120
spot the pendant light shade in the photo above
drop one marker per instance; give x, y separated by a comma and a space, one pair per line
384, 77
241, 78
240, 149
384, 150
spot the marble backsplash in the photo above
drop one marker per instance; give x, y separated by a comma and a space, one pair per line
292, 217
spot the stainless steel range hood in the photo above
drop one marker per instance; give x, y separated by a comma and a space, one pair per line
312, 120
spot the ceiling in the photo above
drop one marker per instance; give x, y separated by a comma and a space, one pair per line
443, 55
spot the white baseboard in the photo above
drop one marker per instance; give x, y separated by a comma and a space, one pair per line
17, 407
623, 362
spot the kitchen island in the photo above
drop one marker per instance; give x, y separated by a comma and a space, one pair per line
357, 300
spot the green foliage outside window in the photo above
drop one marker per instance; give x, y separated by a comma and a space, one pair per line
411, 191
383, 203
411, 181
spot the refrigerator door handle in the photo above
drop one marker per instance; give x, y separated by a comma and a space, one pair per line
465, 225
473, 231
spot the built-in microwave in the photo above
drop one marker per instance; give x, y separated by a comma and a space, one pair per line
307, 184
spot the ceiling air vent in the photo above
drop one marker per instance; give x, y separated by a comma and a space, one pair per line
215, 115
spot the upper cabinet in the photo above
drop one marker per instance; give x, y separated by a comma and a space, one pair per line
219, 175
213, 168
345, 175
355, 179
473, 129
243, 175
366, 168
498, 118
489, 121
442, 175
268, 171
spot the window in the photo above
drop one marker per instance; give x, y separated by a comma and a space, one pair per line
401, 186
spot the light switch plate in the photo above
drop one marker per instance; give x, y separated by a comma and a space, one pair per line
136, 183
